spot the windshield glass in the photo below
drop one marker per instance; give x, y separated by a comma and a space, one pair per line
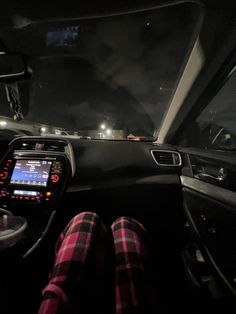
104, 78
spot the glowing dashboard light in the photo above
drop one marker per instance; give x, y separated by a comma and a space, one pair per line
3, 123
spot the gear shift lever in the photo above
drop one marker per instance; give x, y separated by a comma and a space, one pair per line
11, 229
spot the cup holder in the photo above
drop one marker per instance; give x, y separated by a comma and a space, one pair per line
11, 229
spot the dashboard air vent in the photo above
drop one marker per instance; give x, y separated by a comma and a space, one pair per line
166, 158
47, 145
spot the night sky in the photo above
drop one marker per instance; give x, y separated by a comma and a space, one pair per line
119, 70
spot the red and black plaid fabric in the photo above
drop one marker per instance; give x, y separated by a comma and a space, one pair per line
132, 278
82, 244
73, 252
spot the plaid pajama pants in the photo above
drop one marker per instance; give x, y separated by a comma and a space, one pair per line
82, 257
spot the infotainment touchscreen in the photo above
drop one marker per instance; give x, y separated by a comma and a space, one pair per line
31, 172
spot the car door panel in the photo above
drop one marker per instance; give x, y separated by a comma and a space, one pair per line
209, 201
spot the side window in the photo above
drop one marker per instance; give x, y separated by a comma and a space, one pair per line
215, 127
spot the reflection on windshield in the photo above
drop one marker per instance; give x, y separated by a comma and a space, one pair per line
215, 127
104, 78
217, 120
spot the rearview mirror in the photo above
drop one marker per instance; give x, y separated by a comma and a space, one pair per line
12, 67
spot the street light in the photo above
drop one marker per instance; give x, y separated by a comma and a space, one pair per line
43, 129
103, 126
3, 123
108, 131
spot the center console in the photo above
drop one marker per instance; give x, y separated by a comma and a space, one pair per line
33, 177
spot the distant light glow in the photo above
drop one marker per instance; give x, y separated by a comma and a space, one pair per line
3, 123
103, 126
43, 129
108, 131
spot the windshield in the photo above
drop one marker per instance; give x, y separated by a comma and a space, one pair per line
104, 78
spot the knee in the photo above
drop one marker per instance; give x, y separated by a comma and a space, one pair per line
126, 222
85, 216
86, 222
87, 225
129, 237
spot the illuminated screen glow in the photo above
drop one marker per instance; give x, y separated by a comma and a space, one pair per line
25, 193
63, 36
31, 172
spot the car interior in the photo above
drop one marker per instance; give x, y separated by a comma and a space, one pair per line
122, 109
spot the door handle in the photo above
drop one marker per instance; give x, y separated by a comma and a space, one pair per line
204, 175
219, 175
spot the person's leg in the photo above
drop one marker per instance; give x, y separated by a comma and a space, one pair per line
79, 259
133, 284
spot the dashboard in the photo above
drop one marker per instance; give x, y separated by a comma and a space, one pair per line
36, 171
37, 174
42, 178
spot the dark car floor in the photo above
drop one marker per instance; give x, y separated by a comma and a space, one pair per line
22, 281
